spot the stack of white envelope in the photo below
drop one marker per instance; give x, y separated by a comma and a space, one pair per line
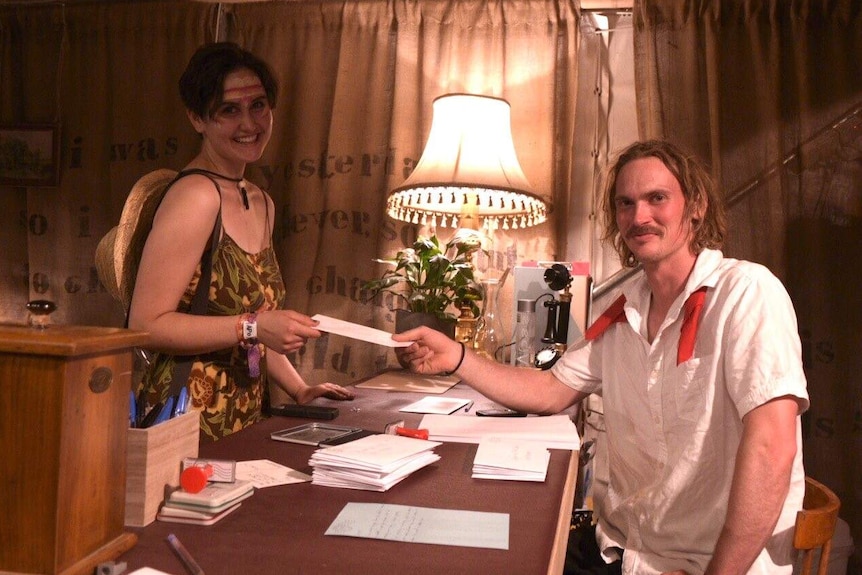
552, 431
505, 458
372, 463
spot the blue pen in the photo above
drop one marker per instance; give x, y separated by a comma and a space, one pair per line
165, 413
187, 401
181, 403
141, 406
133, 410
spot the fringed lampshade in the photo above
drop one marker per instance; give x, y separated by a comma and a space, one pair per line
468, 171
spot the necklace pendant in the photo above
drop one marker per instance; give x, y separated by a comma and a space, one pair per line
244, 194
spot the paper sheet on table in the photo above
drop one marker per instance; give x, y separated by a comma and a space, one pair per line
441, 405
403, 380
412, 524
356, 331
512, 459
552, 431
266, 473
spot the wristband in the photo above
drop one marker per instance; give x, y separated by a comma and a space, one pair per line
249, 327
248, 341
460, 361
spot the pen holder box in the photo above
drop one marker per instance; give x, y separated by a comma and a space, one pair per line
153, 460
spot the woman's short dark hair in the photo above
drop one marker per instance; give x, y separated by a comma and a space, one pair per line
202, 83
698, 188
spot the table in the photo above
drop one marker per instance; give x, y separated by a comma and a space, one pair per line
281, 529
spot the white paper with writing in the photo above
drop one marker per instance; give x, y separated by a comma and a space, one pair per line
266, 473
412, 524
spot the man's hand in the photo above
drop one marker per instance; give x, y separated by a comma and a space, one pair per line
431, 352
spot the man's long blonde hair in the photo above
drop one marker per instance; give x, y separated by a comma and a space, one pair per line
698, 188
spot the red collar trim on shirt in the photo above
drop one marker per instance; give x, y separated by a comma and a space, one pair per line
692, 308
612, 315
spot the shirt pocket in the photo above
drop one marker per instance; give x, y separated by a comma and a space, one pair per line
694, 389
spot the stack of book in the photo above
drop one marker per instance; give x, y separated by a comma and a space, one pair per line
372, 463
207, 506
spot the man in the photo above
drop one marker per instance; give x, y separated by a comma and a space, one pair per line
699, 365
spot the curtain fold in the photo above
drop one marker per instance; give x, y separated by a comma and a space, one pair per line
770, 92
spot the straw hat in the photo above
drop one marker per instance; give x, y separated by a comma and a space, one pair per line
119, 251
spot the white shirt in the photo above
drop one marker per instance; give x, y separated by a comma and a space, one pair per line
673, 431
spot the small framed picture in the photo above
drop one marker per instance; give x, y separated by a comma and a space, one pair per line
29, 155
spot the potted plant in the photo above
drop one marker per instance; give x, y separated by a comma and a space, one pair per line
430, 279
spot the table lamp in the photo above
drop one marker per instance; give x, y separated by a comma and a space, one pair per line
468, 178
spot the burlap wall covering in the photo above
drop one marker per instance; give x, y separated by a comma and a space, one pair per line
772, 93
106, 74
357, 82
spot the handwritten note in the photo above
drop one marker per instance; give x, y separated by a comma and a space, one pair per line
266, 473
412, 524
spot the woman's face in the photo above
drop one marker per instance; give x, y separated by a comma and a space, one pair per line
239, 129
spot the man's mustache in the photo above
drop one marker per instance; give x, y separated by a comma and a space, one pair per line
640, 230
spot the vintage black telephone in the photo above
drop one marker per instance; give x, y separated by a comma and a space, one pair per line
556, 334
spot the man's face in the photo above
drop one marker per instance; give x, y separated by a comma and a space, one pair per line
650, 212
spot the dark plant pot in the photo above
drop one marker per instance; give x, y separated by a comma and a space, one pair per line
405, 319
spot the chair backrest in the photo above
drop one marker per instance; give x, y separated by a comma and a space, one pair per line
815, 525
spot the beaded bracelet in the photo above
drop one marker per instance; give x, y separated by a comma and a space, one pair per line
460, 361
241, 319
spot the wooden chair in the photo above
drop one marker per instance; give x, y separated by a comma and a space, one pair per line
815, 525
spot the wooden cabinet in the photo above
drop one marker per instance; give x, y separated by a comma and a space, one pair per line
64, 413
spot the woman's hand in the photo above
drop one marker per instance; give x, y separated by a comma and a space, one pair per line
285, 331
328, 390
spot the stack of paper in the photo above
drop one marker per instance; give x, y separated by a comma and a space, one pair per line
372, 463
500, 458
207, 506
552, 431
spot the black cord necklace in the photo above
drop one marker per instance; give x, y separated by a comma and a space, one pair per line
240, 184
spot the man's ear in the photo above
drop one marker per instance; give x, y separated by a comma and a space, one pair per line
197, 123
699, 212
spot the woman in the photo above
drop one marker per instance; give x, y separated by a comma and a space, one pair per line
242, 340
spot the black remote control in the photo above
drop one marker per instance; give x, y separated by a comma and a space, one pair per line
307, 411
502, 412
